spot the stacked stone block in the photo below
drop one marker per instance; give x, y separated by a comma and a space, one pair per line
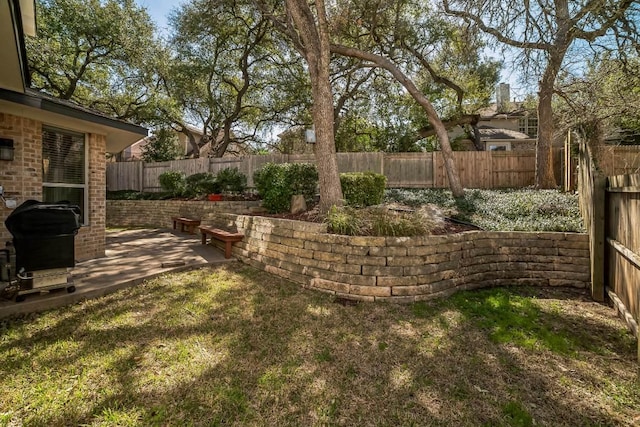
407, 269
158, 213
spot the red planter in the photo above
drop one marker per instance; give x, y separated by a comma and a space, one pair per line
215, 197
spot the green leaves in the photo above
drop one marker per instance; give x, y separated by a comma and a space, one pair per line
276, 183
92, 52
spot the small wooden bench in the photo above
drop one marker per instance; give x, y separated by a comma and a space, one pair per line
189, 223
225, 236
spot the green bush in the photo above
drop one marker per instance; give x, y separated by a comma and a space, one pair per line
271, 186
173, 182
200, 184
363, 189
231, 180
303, 178
276, 183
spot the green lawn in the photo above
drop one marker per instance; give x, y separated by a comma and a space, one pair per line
236, 346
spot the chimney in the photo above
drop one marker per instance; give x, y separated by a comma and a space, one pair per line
503, 95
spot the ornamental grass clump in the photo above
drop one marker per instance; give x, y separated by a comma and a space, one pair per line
344, 221
390, 220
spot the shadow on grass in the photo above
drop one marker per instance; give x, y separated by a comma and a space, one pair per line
236, 346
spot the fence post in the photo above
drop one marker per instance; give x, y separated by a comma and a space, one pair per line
141, 176
567, 163
598, 238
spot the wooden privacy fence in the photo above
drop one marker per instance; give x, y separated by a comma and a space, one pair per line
619, 159
611, 211
478, 169
622, 250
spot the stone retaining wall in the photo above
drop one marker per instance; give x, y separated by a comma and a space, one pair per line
406, 269
158, 213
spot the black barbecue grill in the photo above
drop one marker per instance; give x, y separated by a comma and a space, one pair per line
44, 243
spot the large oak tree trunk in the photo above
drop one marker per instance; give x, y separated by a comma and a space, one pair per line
545, 177
315, 42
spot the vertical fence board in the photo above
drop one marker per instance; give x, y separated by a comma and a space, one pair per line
409, 170
619, 160
151, 175
597, 240
623, 260
124, 176
361, 162
513, 170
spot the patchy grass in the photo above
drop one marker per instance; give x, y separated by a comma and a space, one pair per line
501, 210
236, 346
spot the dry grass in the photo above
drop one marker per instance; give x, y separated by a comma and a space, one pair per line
235, 346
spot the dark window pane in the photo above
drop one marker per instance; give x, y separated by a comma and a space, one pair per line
75, 196
63, 157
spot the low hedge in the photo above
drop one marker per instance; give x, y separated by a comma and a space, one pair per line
276, 183
361, 189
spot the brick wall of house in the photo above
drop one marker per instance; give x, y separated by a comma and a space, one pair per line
90, 241
22, 177
22, 180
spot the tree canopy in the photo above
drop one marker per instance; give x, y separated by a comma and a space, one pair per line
95, 53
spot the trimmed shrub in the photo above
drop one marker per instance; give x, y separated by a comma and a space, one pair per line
276, 183
173, 182
271, 186
303, 178
363, 189
231, 180
201, 183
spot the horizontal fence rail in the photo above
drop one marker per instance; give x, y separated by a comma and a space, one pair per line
477, 169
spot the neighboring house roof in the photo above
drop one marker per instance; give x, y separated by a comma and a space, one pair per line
488, 132
17, 17
516, 110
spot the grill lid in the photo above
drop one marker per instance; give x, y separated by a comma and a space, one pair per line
39, 219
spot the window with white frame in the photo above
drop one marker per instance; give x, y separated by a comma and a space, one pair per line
64, 168
498, 146
528, 125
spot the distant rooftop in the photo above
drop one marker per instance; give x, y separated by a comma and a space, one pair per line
489, 132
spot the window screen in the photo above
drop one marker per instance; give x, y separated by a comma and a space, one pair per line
64, 167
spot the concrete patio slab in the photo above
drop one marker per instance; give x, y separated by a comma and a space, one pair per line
132, 256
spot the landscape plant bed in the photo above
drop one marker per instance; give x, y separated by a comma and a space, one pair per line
496, 210
235, 346
137, 195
